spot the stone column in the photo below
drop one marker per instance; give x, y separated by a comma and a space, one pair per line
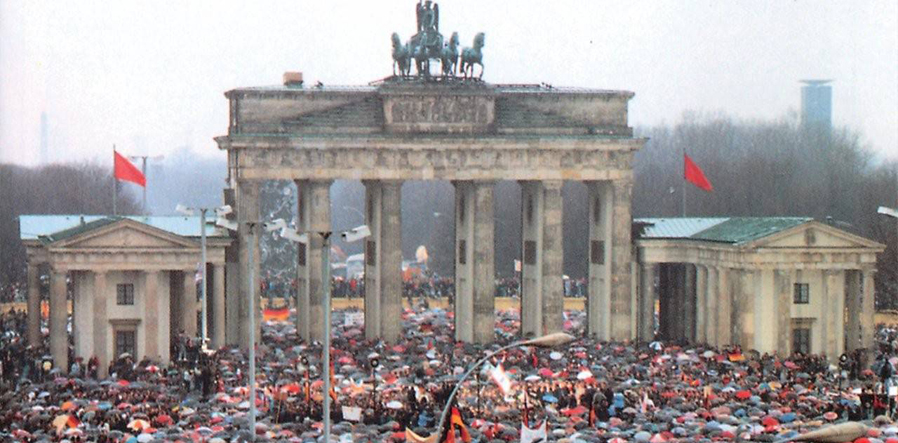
782, 283
689, 305
853, 305
247, 195
830, 289
474, 262
531, 263
391, 262
711, 317
188, 303
373, 219
664, 301
59, 337
701, 304
316, 219
233, 293
101, 323
218, 306
868, 312
543, 285
725, 308
646, 325
601, 204
34, 304
676, 283
151, 313
747, 309
622, 220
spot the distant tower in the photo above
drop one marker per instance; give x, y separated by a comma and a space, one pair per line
45, 152
816, 104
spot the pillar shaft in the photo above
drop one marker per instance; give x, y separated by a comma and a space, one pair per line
689, 305
101, 322
867, 312
59, 339
247, 196
188, 303
646, 326
218, 307
701, 304
746, 311
712, 310
373, 290
782, 283
474, 262
34, 305
233, 292
725, 306
622, 220
543, 285
151, 315
315, 219
601, 205
391, 264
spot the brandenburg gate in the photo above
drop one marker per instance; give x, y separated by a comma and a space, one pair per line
466, 131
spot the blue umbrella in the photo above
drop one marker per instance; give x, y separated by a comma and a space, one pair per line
550, 398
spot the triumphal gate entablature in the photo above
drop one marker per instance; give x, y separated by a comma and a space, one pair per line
429, 131
441, 127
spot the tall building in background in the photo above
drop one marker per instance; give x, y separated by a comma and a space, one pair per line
45, 151
816, 104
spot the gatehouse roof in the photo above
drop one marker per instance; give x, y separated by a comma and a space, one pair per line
58, 227
733, 230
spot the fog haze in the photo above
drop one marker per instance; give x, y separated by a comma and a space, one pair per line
149, 76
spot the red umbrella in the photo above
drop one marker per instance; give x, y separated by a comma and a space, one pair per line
769, 421
163, 420
546, 372
743, 395
292, 388
123, 383
573, 411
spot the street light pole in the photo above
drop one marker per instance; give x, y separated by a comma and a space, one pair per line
252, 332
546, 341
205, 303
326, 347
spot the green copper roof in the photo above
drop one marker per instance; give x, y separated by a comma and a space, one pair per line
733, 230
745, 229
57, 227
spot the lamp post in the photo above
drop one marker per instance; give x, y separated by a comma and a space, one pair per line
221, 211
546, 341
350, 236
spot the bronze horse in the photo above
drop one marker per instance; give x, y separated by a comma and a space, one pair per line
401, 57
472, 56
449, 56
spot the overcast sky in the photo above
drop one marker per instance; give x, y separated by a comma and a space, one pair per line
149, 76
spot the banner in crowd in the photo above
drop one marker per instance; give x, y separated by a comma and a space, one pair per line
534, 435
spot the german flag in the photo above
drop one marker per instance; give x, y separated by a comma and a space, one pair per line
276, 314
455, 420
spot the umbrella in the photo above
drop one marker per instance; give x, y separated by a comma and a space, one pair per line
394, 405
549, 398
138, 425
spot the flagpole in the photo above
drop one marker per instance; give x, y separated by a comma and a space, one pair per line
114, 184
684, 184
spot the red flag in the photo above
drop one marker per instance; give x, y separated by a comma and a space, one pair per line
126, 171
693, 174
455, 420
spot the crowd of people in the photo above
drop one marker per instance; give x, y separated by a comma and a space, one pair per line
585, 391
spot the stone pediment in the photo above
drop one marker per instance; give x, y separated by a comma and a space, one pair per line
815, 235
122, 234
